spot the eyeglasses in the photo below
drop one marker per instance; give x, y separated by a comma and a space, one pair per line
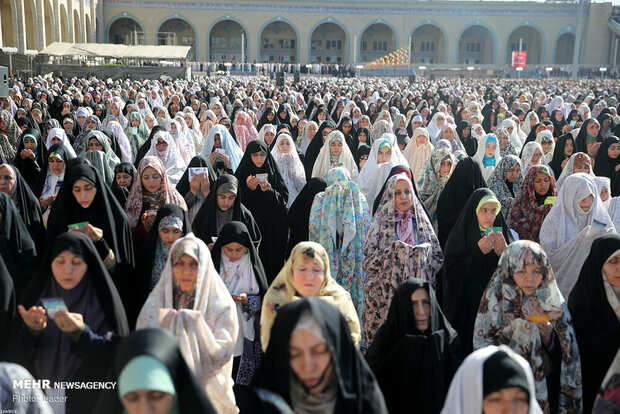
363, 157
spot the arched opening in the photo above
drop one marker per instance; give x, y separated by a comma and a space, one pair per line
77, 33
87, 34
49, 23
225, 42
31, 25
126, 31
428, 45
177, 32
564, 49
328, 44
476, 46
64, 24
377, 41
278, 43
531, 43
8, 30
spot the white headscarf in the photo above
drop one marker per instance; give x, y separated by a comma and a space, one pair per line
478, 135
233, 150
62, 135
373, 175
480, 154
569, 169
433, 128
291, 168
416, 154
323, 162
171, 157
528, 152
122, 140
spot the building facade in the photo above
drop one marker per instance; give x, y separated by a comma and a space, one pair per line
346, 32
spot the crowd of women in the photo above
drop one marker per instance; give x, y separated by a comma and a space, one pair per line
330, 246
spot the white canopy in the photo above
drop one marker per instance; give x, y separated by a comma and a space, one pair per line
116, 51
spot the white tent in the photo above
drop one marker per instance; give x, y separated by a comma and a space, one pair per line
61, 49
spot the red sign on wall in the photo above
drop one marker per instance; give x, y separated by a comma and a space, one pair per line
518, 59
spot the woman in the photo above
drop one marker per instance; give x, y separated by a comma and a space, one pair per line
196, 190
123, 142
532, 155
463, 130
575, 220
547, 142
100, 155
416, 352
31, 155
607, 161
59, 136
400, 243
192, 302
164, 147
148, 193
136, 132
305, 137
505, 182
564, 148
593, 303
488, 155
263, 190
9, 135
578, 162
268, 134
471, 256
339, 220
298, 215
222, 151
151, 372
76, 344
466, 177
285, 155
335, 152
492, 380
588, 139
245, 131
361, 137
314, 364
237, 262
612, 204
51, 177
417, 152
306, 273
522, 291
124, 175
383, 157
533, 202
435, 174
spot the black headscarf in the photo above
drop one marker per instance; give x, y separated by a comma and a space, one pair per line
121, 193
604, 165
61, 151
161, 345
558, 153
466, 177
299, 213
235, 231
502, 371
27, 167
361, 151
530, 137
358, 391
197, 162
414, 368
205, 222
354, 145
146, 146
581, 140
263, 119
596, 325
104, 212
466, 271
16, 246
557, 125
7, 306
312, 152
470, 143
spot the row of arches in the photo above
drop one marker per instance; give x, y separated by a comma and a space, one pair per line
80, 31
330, 42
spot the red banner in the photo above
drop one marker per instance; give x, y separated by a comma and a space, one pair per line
518, 59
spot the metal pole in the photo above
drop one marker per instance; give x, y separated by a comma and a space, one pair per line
613, 63
579, 35
354, 49
242, 47
10, 64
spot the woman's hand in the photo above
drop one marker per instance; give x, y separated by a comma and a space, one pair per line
243, 298
593, 148
566, 161
194, 184
499, 243
205, 184
545, 329
35, 318
69, 322
147, 220
94, 233
45, 202
486, 244
226, 159
252, 182
213, 158
264, 185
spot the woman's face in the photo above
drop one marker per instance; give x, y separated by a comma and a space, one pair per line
284, 146
593, 128
312, 129
123, 179
403, 195
528, 279
148, 401
546, 145
258, 158
84, 193
55, 140
308, 278
440, 121
169, 235
489, 149
217, 141
68, 269
446, 166
346, 127
613, 151
149, 122
421, 302
310, 360
91, 124
363, 159
558, 116
542, 182
486, 215
384, 154
322, 116
511, 400
448, 134
270, 116
56, 165
269, 137
536, 157
234, 251
513, 173
586, 203
94, 145
611, 271
135, 122
465, 115
335, 147
225, 201
362, 137
581, 166
185, 272
151, 180
420, 139
161, 145
7, 180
